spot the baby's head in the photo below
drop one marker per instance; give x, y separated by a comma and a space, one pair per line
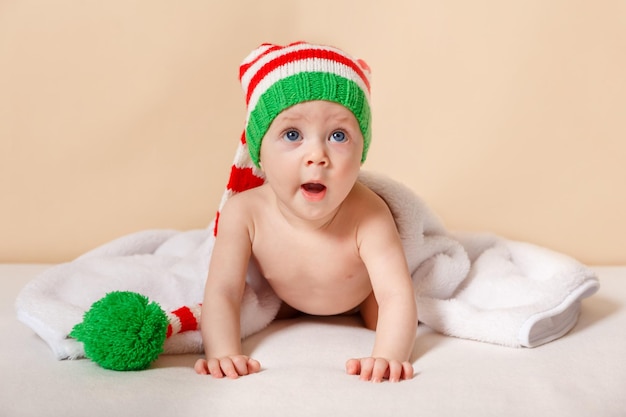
275, 78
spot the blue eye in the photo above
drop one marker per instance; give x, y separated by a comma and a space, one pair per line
291, 136
338, 136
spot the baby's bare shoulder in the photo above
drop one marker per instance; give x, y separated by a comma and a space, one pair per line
243, 207
366, 202
245, 200
374, 219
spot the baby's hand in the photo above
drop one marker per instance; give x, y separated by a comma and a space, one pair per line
377, 369
230, 366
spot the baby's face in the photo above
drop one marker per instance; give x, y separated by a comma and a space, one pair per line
311, 156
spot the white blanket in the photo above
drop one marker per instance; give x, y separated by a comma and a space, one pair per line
473, 286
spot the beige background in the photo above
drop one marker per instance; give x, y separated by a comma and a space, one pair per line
119, 116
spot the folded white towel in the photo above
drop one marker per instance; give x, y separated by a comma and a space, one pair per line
473, 286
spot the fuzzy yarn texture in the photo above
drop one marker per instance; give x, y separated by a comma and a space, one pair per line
275, 77
123, 331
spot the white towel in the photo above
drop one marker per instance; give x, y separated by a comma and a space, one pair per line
473, 286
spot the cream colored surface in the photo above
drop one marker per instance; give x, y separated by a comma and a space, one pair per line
580, 375
121, 116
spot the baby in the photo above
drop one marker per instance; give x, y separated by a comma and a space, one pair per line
326, 244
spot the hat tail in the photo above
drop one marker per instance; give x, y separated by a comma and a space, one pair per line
244, 175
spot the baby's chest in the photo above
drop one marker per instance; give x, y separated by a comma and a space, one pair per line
313, 258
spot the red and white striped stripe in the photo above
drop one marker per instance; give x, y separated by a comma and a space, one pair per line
183, 319
264, 67
244, 175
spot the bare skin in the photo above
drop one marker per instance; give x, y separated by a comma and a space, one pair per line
325, 243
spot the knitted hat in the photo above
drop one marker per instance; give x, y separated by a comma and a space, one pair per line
275, 78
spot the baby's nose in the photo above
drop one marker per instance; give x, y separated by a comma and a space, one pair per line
317, 155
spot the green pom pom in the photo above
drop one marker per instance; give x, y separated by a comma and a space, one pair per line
123, 331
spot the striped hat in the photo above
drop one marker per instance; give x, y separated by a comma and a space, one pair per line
275, 78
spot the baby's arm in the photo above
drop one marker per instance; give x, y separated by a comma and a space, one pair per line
222, 298
381, 250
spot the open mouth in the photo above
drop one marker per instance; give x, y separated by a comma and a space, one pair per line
313, 191
313, 188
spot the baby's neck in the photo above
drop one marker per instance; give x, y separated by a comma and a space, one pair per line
299, 223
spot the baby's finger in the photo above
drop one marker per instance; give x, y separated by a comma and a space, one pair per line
228, 367
240, 365
407, 370
367, 367
201, 367
395, 371
353, 367
213, 365
253, 366
380, 368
